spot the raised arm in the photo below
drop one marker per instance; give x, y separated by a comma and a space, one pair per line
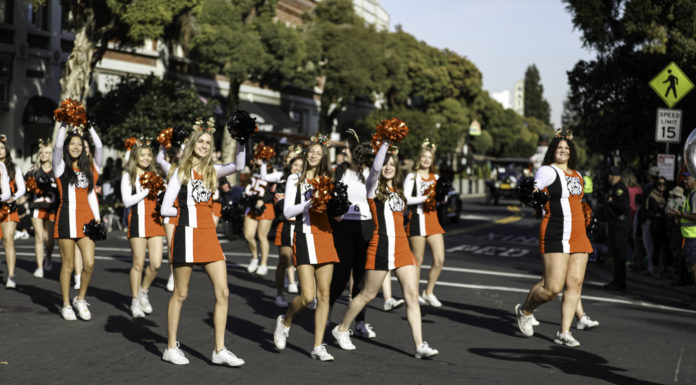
373, 177
130, 199
160, 159
19, 182
57, 162
98, 148
173, 187
290, 209
4, 184
237, 165
275, 176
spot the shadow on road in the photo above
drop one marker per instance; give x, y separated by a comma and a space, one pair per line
136, 331
51, 300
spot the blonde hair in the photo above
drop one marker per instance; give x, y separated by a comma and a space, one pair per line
629, 179
37, 164
132, 164
417, 164
205, 164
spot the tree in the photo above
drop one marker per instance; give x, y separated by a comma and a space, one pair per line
535, 105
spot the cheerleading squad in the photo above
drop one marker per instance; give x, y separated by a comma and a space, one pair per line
349, 226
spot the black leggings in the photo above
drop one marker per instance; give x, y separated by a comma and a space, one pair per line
351, 239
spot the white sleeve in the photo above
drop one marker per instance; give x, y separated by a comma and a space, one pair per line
93, 204
19, 182
544, 176
232, 167
98, 149
161, 161
130, 199
373, 177
290, 209
126, 156
173, 187
4, 184
57, 162
275, 177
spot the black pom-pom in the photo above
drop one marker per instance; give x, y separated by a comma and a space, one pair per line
43, 182
527, 195
442, 188
227, 213
258, 210
94, 230
339, 203
592, 227
241, 126
178, 136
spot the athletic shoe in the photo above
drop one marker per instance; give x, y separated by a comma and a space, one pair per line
82, 310
524, 322
262, 270
77, 282
425, 351
10, 284
68, 313
312, 305
175, 355
566, 339
421, 301
391, 304
226, 357
534, 321
280, 301
431, 299
144, 301
39, 273
320, 353
170, 283
48, 265
586, 323
253, 265
292, 288
342, 339
137, 309
281, 333
365, 330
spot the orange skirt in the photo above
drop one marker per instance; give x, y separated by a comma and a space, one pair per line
388, 253
11, 217
313, 249
195, 245
268, 213
43, 214
423, 225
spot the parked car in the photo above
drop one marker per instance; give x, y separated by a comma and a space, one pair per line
505, 174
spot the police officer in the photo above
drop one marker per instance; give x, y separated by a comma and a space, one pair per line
687, 219
617, 211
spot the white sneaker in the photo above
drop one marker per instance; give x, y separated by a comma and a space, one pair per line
226, 357
281, 333
431, 299
365, 330
253, 265
425, 351
175, 355
421, 301
534, 321
68, 313
82, 310
10, 284
292, 288
320, 353
137, 309
342, 339
312, 305
144, 301
280, 301
392, 304
524, 322
77, 282
586, 323
39, 273
170, 283
48, 265
566, 339
262, 270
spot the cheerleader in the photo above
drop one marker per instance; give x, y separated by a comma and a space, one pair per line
195, 239
169, 223
388, 250
145, 231
313, 251
78, 206
9, 216
43, 207
423, 224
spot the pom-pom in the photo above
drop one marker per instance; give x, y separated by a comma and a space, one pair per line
43, 182
442, 189
430, 204
591, 223
592, 227
94, 230
179, 135
527, 195
150, 180
323, 187
72, 113
32, 186
339, 203
6, 209
258, 210
393, 130
227, 213
264, 152
130, 142
165, 137
250, 201
242, 126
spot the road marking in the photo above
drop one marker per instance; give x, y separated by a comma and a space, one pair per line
507, 252
676, 372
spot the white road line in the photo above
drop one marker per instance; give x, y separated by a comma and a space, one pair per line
676, 372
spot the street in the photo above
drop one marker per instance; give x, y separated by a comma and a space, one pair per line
644, 337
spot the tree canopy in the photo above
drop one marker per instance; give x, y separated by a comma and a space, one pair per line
535, 105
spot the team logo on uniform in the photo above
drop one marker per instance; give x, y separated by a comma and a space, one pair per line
82, 181
424, 185
199, 192
396, 204
574, 185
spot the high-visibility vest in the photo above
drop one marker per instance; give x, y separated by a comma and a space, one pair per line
688, 227
588, 186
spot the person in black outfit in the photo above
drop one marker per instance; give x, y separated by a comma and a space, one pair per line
617, 211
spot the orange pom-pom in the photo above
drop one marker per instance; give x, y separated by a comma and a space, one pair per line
72, 113
264, 152
130, 142
430, 204
4, 211
323, 187
165, 137
587, 212
393, 130
32, 186
152, 181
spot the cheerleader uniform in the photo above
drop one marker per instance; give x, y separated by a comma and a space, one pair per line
562, 228
166, 166
143, 221
261, 187
44, 206
17, 190
313, 243
422, 222
285, 230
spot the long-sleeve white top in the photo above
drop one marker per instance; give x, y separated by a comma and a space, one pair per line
129, 198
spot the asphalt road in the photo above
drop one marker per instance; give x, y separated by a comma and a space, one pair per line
644, 337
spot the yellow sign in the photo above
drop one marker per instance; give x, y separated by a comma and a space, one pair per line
475, 128
671, 84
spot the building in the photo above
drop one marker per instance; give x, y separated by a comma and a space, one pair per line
502, 97
373, 13
518, 98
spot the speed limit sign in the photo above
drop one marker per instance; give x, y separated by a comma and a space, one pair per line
668, 129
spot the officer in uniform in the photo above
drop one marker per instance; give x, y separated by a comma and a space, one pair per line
617, 211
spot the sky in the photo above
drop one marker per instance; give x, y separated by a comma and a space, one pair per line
501, 37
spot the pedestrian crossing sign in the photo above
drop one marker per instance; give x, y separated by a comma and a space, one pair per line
671, 84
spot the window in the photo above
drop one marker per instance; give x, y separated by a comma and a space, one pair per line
6, 11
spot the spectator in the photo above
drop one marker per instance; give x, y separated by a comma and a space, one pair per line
656, 217
648, 244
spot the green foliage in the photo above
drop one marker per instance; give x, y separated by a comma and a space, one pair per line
535, 105
143, 107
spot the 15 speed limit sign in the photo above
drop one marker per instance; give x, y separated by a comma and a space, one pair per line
668, 129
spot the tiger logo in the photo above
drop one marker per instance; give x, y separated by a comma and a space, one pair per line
82, 181
396, 204
574, 185
200, 192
